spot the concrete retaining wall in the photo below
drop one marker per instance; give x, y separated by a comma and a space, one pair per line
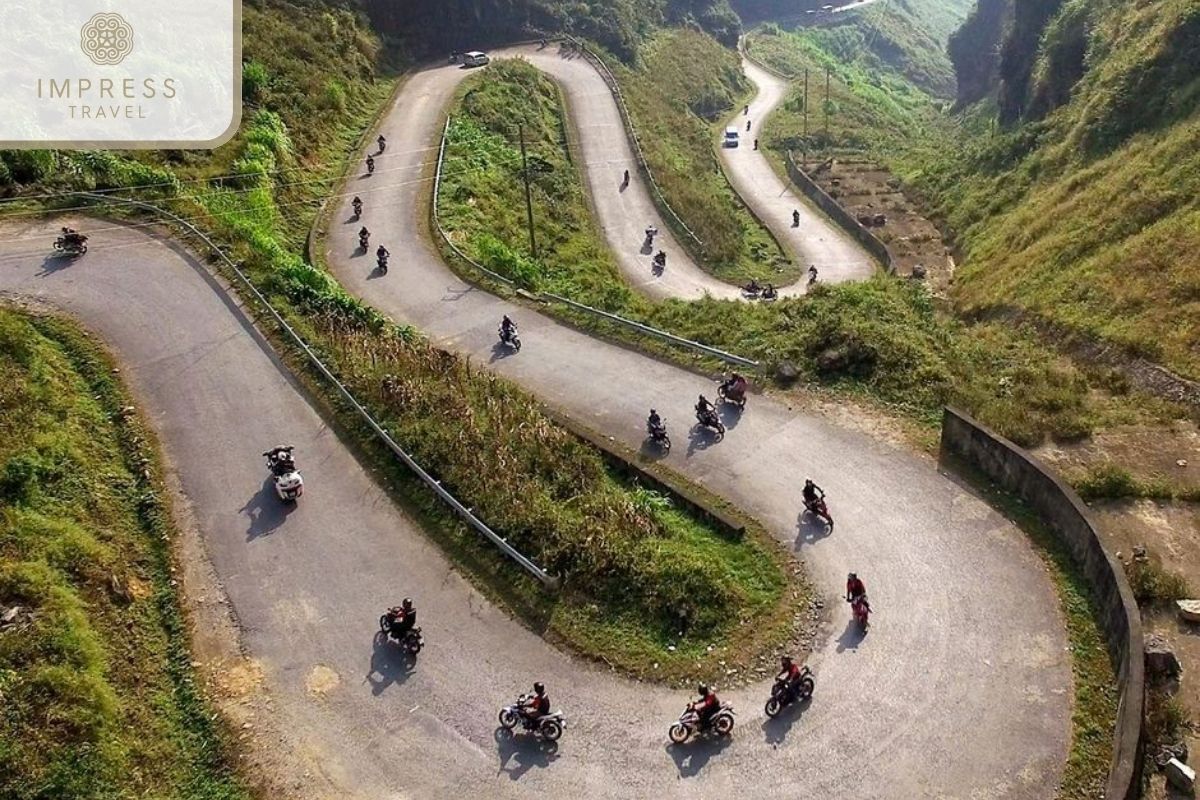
841, 216
1066, 515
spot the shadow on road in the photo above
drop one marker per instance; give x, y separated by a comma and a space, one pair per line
501, 351
810, 529
55, 263
851, 638
776, 730
266, 511
691, 757
521, 753
390, 664
376, 273
647, 247
730, 414
652, 450
701, 438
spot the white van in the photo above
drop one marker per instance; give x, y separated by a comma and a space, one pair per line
475, 58
732, 136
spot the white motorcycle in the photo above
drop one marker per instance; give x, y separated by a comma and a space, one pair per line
288, 483
689, 724
549, 726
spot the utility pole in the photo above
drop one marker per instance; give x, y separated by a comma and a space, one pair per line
528, 195
804, 152
827, 104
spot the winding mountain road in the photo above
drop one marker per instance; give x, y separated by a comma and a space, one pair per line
623, 212
962, 688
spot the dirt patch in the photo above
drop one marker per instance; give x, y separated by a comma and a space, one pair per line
873, 195
1170, 532
1166, 454
321, 681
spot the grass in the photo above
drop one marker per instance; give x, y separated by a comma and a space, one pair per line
99, 698
1094, 713
881, 339
682, 87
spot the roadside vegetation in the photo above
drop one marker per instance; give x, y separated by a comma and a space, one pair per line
97, 694
640, 575
882, 339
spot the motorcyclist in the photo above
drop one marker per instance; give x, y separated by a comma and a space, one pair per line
756, 144
651, 232
536, 706
746, 111
660, 258
855, 588
281, 459
796, 218
812, 493
356, 204
707, 706
382, 142
769, 292
812, 273
382, 253
654, 423
364, 236
402, 619
789, 672
625, 181
704, 409
735, 386
752, 287
507, 328
370, 164
747, 126
72, 237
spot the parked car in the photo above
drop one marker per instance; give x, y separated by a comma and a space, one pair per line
733, 136
475, 58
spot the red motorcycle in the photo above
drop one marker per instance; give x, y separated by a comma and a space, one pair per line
818, 509
861, 609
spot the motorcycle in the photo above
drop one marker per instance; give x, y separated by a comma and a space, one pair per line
752, 290
370, 166
382, 263
288, 483
660, 261
784, 693
364, 241
795, 219
689, 725
709, 419
71, 245
511, 338
357, 210
658, 435
731, 393
861, 609
549, 726
412, 642
819, 508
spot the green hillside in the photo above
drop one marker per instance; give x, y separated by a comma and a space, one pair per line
1085, 210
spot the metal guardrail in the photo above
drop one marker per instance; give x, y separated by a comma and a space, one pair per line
637, 326
631, 132
464, 512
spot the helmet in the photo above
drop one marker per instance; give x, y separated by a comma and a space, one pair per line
786, 661
851, 577
407, 604
652, 411
539, 688
808, 482
702, 689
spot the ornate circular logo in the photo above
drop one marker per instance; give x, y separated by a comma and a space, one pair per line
107, 39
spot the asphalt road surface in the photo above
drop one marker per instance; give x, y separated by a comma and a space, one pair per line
960, 689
